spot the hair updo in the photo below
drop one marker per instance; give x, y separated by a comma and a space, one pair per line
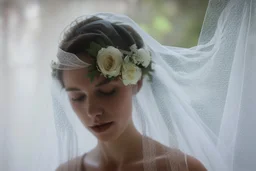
78, 38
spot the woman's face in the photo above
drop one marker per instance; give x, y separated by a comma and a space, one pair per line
103, 107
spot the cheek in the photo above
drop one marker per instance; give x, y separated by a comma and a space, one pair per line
122, 105
80, 112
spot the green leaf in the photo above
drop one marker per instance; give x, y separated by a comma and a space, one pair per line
92, 75
95, 46
101, 42
111, 78
92, 71
92, 52
150, 77
148, 69
94, 49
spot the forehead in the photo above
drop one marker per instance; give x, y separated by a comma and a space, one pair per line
78, 78
77, 75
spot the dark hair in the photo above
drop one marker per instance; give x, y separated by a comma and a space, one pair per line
78, 38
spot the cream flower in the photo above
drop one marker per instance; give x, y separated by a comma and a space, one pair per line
134, 48
130, 72
143, 57
110, 61
140, 56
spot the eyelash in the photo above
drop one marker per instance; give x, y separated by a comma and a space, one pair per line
108, 93
81, 98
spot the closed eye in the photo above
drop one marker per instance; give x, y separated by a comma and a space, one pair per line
108, 93
80, 98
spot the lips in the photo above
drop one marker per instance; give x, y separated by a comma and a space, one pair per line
102, 127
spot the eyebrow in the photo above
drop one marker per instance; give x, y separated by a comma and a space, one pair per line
105, 81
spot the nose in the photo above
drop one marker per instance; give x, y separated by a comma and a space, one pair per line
93, 109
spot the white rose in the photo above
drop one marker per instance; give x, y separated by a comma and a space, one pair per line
109, 61
130, 73
142, 57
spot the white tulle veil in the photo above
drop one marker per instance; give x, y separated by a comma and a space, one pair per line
200, 101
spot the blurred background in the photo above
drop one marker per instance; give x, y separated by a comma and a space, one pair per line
29, 35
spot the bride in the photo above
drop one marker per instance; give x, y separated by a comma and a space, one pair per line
149, 106
104, 105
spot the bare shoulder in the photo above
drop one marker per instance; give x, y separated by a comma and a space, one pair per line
176, 158
71, 165
194, 164
178, 162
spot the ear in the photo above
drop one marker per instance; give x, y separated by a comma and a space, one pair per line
136, 88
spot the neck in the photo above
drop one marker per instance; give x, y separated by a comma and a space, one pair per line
125, 149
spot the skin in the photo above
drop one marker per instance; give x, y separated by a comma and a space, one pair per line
119, 147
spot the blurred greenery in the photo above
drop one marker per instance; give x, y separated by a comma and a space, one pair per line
171, 22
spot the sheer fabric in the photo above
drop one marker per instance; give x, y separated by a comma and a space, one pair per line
201, 100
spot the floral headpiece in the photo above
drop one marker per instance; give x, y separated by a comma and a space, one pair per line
113, 62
